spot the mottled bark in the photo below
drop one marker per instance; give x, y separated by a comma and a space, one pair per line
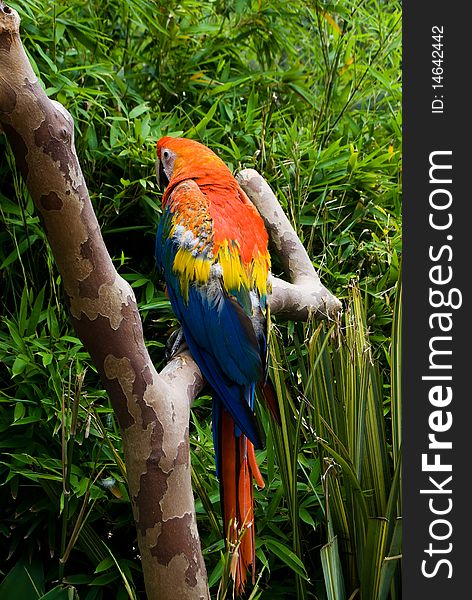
152, 409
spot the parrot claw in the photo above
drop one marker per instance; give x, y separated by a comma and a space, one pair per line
174, 343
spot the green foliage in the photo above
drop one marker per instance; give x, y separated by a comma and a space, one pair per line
361, 481
308, 93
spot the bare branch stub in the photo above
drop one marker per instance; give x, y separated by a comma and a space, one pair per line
304, 295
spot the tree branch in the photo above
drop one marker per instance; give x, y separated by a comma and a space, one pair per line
152, 409
305, 295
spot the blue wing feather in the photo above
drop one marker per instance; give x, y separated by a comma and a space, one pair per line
220, 336
204, 334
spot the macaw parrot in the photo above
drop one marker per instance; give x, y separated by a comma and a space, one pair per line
212, 248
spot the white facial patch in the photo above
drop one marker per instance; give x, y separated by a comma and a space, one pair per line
216, 270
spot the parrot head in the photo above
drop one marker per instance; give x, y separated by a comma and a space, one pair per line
180, 158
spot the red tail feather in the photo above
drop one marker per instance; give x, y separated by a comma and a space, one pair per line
238, 467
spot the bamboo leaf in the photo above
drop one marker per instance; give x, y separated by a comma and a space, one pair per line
61, 593
138, 110
287, 556
25, 581
104, 565
195, 130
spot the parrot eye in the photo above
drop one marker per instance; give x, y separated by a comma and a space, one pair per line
165, 167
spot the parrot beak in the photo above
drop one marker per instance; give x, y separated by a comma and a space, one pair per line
162, 178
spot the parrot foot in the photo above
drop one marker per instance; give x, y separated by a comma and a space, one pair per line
175, 343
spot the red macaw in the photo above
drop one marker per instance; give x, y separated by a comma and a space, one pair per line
211, 246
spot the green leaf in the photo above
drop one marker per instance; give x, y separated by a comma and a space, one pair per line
105, 564
194, 131
114, 135
26, 420
332, 571
36, 311
25, 581
139, 110
46, 357
19, 411
287, 556
61, 593
105, 579
19, 366
216, 574
22, 315
373, 557
391, 561
24, 245
306, 517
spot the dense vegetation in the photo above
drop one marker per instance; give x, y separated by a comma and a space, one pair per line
309, 94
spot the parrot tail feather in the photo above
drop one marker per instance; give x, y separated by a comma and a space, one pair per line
251, 456
238, 468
